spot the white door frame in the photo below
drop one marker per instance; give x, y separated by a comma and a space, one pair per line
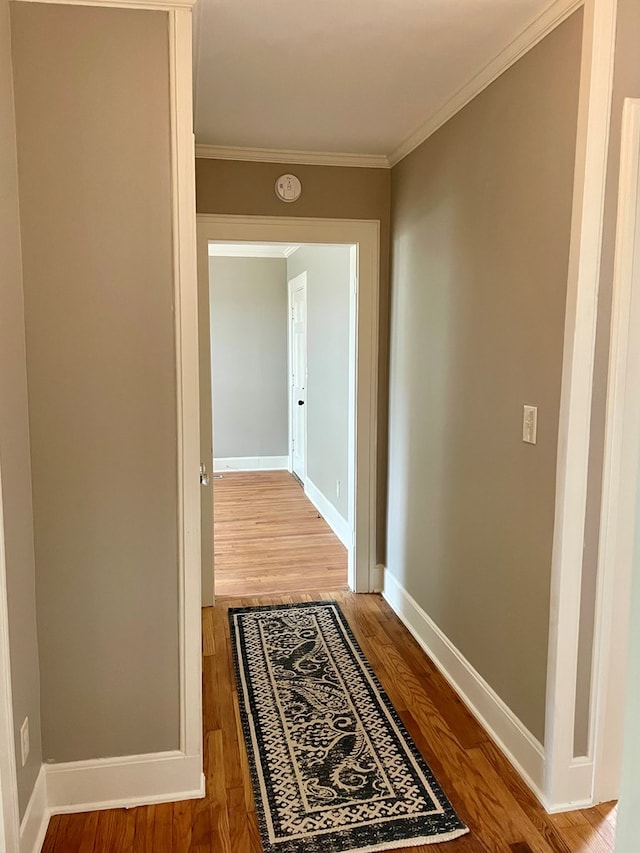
9, 815
290, 289
620, 477
365, 234
187, 379
568, 778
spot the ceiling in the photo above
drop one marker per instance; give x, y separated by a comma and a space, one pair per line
349, 76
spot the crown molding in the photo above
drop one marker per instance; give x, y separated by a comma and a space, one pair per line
533, 33
163, 5
307, 158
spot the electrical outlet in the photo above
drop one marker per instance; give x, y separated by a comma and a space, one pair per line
24, 741
337, 488
530, 424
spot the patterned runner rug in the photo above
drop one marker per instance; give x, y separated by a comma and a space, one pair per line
333, 768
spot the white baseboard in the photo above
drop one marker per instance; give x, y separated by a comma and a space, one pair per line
251, 463
522, 749
33, 827
134, 780
330, 514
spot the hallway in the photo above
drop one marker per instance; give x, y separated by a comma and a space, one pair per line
269, 538
503, 816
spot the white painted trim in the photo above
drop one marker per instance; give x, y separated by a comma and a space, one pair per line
622, 453
522, 749
250, 250
289, 375
533, 33
187, 381
162, 5
561, 784
351, 439
9, 814
251, 463
301, 281
307, 158
366, 235
336, 522
36, 817
378, 578
134, 780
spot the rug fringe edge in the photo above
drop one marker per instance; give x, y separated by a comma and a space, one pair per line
410, 842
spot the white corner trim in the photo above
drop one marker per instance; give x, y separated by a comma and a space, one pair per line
522, 749
619, 482
303, 158
580, 773
574, 430
134, 780
251, 463
187, 378
377, 578
336, 522
533, 33
33, 827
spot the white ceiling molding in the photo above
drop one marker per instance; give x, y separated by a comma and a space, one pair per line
251, 250
307, 158
552, 17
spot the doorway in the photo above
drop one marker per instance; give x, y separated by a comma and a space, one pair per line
281, 360
363, 235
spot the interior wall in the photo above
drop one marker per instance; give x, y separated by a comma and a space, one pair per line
248, 305
14, 442
92, 106
481, 226
328, 280
626, 84
334, 192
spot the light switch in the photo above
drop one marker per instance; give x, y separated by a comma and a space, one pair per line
530, 424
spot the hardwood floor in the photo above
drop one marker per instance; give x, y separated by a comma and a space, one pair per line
269, 538
502, 814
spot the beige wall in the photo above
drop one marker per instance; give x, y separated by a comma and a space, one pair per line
92, 103
332, 192
328, 271
481, 222
14, 441
248, 304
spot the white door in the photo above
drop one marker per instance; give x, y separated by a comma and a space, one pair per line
298, 378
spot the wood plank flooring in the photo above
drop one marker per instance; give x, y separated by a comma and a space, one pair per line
269, 538
502, 814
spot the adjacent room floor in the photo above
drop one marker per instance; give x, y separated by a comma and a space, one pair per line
503, 816
269, 538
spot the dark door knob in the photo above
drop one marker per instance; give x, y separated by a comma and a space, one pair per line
301, 402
